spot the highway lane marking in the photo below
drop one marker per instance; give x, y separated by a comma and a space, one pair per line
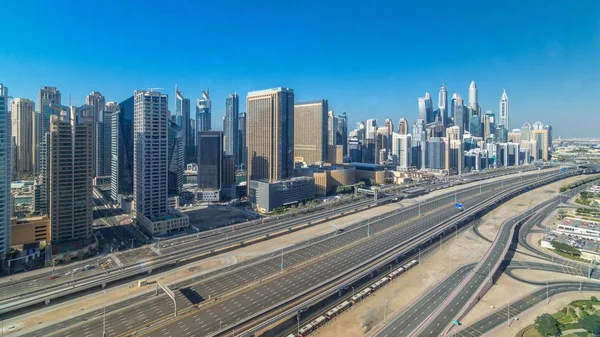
393, 227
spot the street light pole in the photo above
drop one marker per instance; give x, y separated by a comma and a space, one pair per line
385, 311
103, 315
368, 227
508, 314
547, 297
419, 255
282, 258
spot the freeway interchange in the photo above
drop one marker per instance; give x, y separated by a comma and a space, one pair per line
303, 268
452, 298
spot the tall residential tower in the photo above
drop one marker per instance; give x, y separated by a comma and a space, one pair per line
203, 113
504, 111
5, 167
70, 179
314, 129
270, 134
22, 112
231, 128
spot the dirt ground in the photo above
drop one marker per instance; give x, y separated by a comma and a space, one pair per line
461, 252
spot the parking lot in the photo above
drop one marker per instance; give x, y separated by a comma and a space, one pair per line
215, 216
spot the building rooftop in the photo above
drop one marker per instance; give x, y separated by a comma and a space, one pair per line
367, 166
581, 223
268, 91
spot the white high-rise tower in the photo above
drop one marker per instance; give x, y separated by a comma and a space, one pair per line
151, 164
473, 99
504, 110
5, 171
443, 104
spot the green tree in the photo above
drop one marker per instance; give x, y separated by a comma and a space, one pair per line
562, 189
594, 299
591, 323
565, 248
546, 325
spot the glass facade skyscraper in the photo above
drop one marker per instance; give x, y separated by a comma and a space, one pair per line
121, 171
231, 128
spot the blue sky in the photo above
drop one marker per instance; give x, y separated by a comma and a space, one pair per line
370, 58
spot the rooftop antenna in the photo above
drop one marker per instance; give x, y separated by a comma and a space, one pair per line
69, 99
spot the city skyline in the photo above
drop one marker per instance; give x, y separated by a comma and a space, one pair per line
547, 70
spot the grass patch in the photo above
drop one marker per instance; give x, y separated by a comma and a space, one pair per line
530, 333
583, 303
558, 315
570, 326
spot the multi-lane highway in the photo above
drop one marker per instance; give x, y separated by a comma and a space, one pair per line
438, 324
475, 285
268, 292
407, 320
507, 313
46, 286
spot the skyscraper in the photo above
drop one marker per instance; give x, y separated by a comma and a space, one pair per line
102, 146
455, 150
436, 152
5, 168
370, 129
182, 118
210, 160
46, 96
97, 102
526, 132
270, 134
331, 129
443, 105
342, 132
121, 163
314, 129
22, 112
401, 150
231, 128
403, 126
175, 155
460, 114
504, 115
203, 112
70, 173
473, 96
150, 165
243, 150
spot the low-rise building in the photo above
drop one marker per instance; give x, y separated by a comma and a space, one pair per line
266, 196
208, 195
173, 221
376, 172
580, 228
29, 230
328, 178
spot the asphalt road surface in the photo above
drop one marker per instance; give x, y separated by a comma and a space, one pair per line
406, 322
212, 315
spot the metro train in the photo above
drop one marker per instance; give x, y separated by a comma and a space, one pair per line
340, 308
